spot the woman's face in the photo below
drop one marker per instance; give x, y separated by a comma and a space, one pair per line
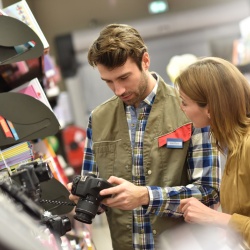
198, 115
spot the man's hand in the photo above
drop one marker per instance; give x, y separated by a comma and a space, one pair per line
196, 212
72, 197
125, 195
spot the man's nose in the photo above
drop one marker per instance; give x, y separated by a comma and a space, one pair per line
119, 89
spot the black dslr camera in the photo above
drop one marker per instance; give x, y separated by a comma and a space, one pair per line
59, 225
29, 176
87, 188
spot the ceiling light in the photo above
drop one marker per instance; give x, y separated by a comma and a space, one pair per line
157, 6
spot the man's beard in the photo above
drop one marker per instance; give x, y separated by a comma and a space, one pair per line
139, 93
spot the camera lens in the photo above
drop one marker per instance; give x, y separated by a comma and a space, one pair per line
43, 172
85, 211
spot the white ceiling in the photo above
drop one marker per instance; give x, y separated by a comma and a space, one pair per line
57, 17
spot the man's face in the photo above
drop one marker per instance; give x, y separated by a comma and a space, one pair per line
127, 82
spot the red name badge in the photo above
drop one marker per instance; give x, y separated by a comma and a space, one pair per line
184, 133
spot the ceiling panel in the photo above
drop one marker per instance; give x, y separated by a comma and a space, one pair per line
57, 17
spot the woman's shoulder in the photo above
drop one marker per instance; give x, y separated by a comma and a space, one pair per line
248, 138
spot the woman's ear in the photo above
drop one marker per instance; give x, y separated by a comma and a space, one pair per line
208, 112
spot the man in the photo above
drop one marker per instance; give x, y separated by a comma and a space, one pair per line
142, 143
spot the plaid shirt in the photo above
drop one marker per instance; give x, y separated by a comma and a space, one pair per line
203, 173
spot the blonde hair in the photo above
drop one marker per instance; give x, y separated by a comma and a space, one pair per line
178, 63
219, 84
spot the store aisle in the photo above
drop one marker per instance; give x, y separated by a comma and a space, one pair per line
101, 234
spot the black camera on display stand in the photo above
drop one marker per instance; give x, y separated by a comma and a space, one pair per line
29, 176
23, 186
59, 225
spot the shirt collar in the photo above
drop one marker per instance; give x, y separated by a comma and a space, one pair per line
149, 100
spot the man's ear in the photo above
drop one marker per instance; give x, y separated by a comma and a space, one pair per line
145, 61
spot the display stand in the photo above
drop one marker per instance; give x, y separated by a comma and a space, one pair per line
24, 118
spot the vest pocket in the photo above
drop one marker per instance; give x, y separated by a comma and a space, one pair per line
105, 153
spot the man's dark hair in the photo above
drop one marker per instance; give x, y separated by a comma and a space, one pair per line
115, 44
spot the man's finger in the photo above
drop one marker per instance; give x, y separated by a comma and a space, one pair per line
115, 180
108, 191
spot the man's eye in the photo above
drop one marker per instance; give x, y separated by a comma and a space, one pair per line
124, 77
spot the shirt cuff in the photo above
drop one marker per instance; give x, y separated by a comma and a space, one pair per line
155, 199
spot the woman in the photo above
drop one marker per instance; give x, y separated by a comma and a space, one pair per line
214, 92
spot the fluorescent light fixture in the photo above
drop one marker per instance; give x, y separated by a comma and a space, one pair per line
157, 6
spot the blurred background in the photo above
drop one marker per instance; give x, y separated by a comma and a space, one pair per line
201, 28
170, 28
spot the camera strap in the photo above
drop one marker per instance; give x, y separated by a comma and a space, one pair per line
64, 203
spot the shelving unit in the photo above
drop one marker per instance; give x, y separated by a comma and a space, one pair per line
12, 77
32, 121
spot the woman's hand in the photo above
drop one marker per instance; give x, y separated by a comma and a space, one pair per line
196, 212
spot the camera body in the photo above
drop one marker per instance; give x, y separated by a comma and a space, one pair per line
88, 188
29, 176
58, 225
24, 189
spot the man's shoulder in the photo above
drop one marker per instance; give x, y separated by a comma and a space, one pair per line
106, 104
170, 89
167, 88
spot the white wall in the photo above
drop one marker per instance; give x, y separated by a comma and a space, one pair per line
203, 33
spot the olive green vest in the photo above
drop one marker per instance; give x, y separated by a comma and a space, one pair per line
162, 166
